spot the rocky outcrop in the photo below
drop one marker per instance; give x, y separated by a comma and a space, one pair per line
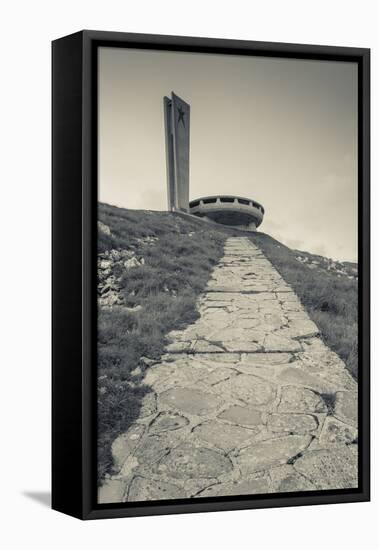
111, 264
103, 228
348, 270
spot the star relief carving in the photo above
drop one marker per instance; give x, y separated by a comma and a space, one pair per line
181, 116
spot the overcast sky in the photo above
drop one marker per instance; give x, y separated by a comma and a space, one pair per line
280, 131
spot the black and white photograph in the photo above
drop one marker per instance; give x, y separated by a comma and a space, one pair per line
186, 275
227, 275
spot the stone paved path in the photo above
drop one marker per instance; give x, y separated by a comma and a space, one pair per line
247, 399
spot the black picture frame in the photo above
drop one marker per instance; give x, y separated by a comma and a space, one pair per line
74, 175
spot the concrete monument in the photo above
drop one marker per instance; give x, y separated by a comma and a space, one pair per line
177, 126
239, 212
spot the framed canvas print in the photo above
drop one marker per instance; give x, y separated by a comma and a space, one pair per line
210, 274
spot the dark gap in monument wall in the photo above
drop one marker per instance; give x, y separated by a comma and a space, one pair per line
227, 199
209, 201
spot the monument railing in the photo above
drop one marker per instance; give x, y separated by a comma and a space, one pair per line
226, 202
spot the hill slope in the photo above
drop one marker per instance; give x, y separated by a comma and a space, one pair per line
329, 296
152, 266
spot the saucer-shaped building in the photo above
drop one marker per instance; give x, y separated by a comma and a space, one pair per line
238, 212
230, 210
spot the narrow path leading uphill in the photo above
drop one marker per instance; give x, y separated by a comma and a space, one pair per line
247, 400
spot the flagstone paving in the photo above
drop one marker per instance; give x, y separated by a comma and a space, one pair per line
247, 400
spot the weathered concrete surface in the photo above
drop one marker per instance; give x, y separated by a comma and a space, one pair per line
247, 400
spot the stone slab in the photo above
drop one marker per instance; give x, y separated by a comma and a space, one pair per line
292, 423
111, 490
224, 436
243, 416
187, 461
253, 487
346, 407
142, 489
125, 444
191, 401
297, 399
272, 343
335, 432
334, 468
168, 421
249, 389
266, 454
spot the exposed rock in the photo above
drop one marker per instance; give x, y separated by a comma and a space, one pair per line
168, 421
136, 372
258, 359
125, 443
148, 405
346, 407
244, 416
241, 347
224, 436
111, 491
150, 240
219, 374
156, 375
152, 449
295, 399
266, 454
336, 432
232, 334
190, 401
295, 482
292, 423
334, 468
132, 262
142, 489
345, 269
250, 389
104, 264
147, 361
292, 306
109, 300
285, 479
216, 358
272, 342
300, 329
326, 366
103, 228
246, 487
301, 377
187, 461
178, 347
201, 346
133, 310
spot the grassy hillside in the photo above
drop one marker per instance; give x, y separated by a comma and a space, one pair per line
330, 297
152, 266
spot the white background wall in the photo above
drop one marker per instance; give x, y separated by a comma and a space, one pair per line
27, 29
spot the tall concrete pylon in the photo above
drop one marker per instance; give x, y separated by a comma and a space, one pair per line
177, 130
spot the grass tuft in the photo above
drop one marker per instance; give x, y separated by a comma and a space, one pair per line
330, 401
